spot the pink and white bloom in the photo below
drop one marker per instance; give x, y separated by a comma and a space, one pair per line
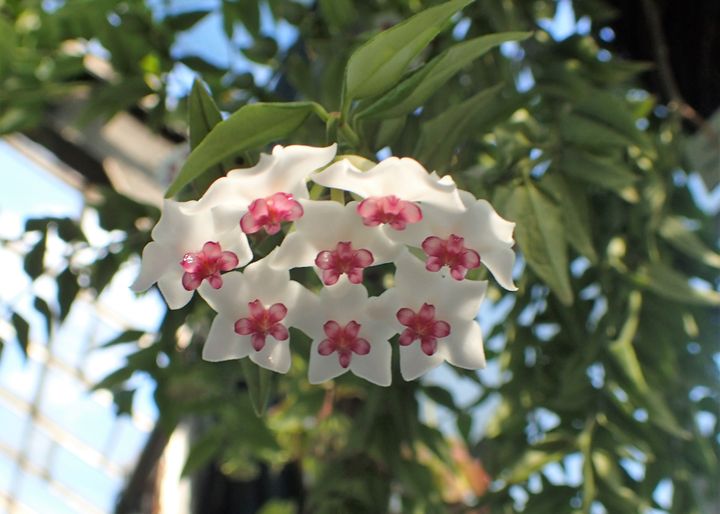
187, 250
435, 317
334, 239
255, 310
456, 242
394, 190
266, 195
347, 336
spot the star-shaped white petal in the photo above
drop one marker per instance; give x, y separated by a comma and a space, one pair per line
232, 302
405, 178
454, 304
285, 170
482, 228
342, 305
183, 229
323, 226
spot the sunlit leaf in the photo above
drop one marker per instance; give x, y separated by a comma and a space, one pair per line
540, 235
380, 63
416, 89
250, 127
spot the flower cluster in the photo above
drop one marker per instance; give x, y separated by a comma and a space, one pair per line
402, 212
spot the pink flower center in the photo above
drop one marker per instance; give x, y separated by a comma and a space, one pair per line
268, 213
422, 326
397, 213
450, 252
206, 264
343, 259
262, 322
344, 341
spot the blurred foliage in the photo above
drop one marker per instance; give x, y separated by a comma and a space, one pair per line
603, 365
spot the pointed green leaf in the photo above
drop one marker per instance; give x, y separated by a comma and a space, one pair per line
622, 348
531, 462
203, 114
612, 112
259, 385
250, 127
184, 21
129, 336
416, 89
668, 283
380, 63
577, 218
22, 331
540, 234
475, 116
589, 133
43, 308
34, 259
603, 172
675, 232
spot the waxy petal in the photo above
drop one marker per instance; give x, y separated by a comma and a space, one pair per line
184, 230
314, 235
285, 170
405, 178
223, 343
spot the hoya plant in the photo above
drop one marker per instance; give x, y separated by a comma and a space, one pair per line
442, 260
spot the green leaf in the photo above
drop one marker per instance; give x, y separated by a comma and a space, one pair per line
574, 204
249, 13
475, 116
675, 232
43, 308
251, 126
68, 288
34, 259
126, 337
123, 400
589, 133
603, 172
622, 348
115, 378
338, 13
540, 233
184, 21
668, 283
22, 331
203, 114
441, 396
416, 89
531, 462
607, 109
259, 385
380, 63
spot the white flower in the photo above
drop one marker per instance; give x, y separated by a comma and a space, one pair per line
391, 190
435, 317
187, 250
347, 337
266, 195
460, 241
255, 309
333, 238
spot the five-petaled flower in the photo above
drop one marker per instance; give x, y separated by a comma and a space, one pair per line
435, 317
255, 309
187, 248
347, 335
